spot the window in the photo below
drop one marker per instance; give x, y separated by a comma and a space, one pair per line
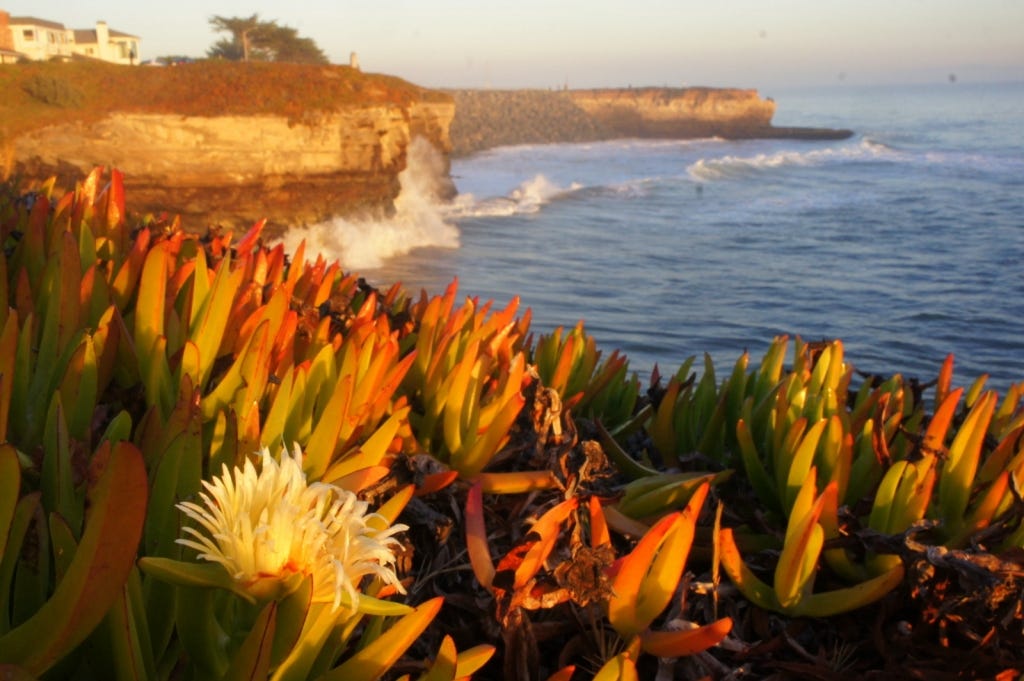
28, 34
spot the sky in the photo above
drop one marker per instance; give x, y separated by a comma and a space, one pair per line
605, 43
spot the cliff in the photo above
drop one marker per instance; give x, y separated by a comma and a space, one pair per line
676, 112
493, 118
486, 118
223, 143
233, 170
237, 149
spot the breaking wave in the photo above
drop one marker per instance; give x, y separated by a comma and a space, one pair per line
419, 220
528, 197
726, 167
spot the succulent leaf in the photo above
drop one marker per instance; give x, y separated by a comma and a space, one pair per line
10, 484
685, 642
97, 573
253, 658
622, 667
377, 657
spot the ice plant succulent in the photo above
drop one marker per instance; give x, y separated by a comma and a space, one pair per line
265, 526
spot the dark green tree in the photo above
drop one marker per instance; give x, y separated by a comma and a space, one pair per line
238, 47
254, 40
226, 48
282, 43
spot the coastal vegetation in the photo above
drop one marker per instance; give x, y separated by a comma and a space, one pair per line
39, 94
222, 460
253, 39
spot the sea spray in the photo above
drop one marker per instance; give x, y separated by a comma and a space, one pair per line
528, 197
418, 221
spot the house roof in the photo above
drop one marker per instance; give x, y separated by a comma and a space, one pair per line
32, 21
84, 36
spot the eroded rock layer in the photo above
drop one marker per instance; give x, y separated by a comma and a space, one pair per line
488, 118
233, 170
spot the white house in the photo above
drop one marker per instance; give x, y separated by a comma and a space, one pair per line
41, 39
38, 39
106, 44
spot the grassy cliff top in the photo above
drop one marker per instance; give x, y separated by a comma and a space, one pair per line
44, 93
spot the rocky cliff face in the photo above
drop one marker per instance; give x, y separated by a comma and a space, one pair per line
234, 169
487, 118
227, 144
673, 112
492, 118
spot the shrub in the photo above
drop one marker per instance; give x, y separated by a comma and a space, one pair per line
54, 91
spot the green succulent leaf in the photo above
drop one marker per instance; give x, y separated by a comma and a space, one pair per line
8, 354
377, 657
958, 471
24, 511
829, 603
122, 642
57, 484
10, 483
252, 660
97, 573
195, 575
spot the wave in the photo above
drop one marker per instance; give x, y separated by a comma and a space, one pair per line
528, 197
726, 167
908, 148
420, 220
533, 150
638, 188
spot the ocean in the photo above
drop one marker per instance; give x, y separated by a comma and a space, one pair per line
905, 241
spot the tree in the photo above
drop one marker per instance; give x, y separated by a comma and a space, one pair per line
255, 40
226, 49
242, 31
282, 43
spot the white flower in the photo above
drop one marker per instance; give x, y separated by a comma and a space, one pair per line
271, 525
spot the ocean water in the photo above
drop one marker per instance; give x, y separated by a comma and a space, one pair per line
905, 241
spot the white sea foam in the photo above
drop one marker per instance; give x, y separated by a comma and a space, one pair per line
419, 220
633, 189
725, 167
528, 197
534, 193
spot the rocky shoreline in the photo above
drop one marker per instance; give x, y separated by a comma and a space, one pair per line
490, 118
793, 133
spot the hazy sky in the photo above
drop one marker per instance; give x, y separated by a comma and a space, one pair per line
592, 43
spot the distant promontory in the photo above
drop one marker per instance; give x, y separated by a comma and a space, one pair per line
489, 118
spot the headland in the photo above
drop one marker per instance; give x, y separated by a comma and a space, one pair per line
222, 143
489, 118
228, 143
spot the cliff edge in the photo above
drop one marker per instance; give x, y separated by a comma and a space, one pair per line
222, 143
488, 118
